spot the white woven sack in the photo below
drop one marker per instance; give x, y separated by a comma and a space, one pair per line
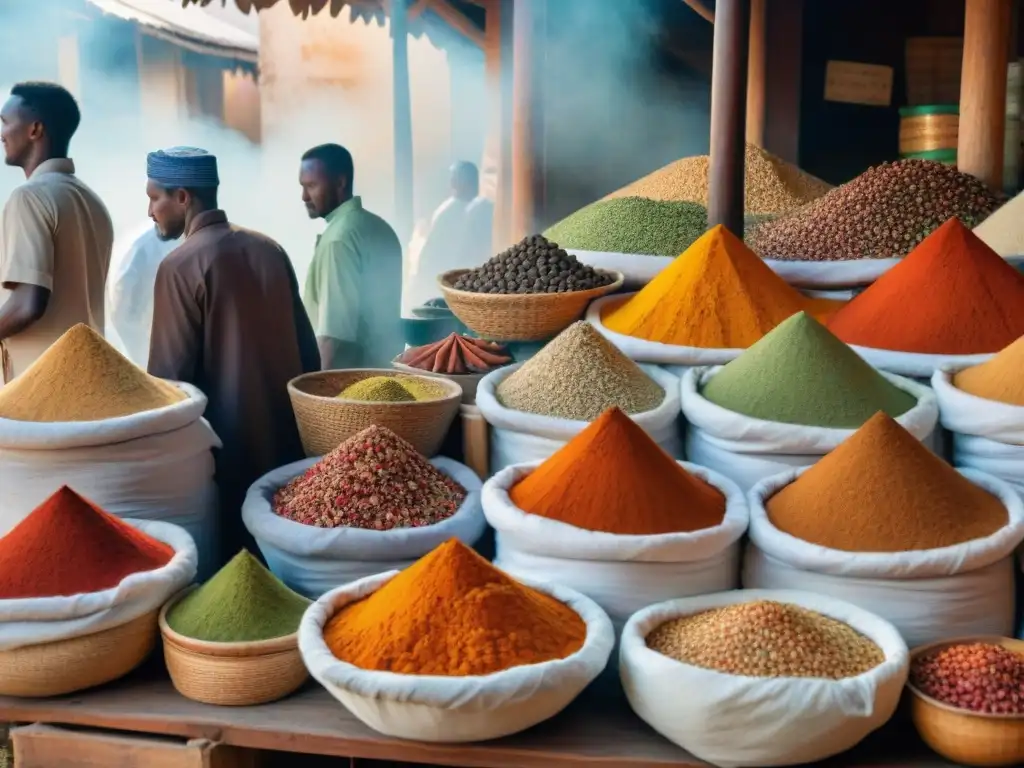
622, 574
929, 595
454, 709
737, 720
156, 465
987, 436
518, 437
747, 450
313, 560
640, 269
913, 364
33, 621
645, 351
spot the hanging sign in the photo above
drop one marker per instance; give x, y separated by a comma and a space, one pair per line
852, 83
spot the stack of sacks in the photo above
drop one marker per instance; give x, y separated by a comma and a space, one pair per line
885, 524
951, 301
715, 300
983, 406
788, 400
536, 407
70, 571
84, 415
616, 518
452, 649
641, 227
372, 504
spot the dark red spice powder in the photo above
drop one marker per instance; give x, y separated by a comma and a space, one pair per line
69, 546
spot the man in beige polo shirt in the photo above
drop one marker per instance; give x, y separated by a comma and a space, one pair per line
55, 233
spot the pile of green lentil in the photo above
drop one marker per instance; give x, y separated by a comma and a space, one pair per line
883, 213
764, 638
243, 602
579, 375
533, 265
393, 389
374, 480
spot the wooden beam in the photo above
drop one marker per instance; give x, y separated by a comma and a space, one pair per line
416, 9
402, 100
983, 90
756, 73
497, 154
523, 212
728, 119
702, 10
783, 74
457, 20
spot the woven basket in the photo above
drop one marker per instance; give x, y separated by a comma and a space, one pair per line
467, 381
232, 674
519, 316
968, 738
66, 666
325, 421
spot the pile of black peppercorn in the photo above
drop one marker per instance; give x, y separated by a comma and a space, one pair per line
533, 265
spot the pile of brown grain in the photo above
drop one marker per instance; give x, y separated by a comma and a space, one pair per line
772, 185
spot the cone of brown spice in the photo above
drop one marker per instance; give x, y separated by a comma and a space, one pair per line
883, 491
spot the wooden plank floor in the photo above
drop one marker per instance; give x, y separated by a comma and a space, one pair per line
596, 730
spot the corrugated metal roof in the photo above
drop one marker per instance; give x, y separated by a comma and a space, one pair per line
199, 32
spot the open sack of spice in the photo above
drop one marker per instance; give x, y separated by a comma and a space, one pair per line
616, 518
884, 523
715, 300
134, 444
71, 569
791, 398
762, 677
640, 228
983, 406
858, 231
952, 301
535, 407
373, 504
452, 649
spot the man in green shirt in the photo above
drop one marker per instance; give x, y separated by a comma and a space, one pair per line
353, 290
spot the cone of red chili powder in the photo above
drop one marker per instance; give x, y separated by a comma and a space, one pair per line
69, 546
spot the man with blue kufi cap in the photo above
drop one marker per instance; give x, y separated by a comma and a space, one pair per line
227, 318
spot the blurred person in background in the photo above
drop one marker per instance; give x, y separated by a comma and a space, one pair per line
129, 300
450, 240
353, 290
228, 319
55, 235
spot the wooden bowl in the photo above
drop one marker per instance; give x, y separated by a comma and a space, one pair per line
231, 674
965, 737
325, 420
520, 316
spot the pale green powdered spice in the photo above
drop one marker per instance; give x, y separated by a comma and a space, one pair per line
800, 373
241, 603
579, 375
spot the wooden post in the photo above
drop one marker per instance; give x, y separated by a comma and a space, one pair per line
728, 119
523, 212
756, 75
496, 162
402, 121
983, 90
784, 54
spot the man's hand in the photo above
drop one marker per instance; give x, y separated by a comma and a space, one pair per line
25, 306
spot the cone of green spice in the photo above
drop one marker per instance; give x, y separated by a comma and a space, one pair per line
243, 602
800, 373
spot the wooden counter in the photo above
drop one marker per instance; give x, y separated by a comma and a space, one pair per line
596, 730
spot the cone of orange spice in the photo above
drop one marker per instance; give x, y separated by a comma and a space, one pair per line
451, 613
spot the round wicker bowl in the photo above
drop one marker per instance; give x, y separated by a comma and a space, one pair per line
66, 666
967, 738
231, 674
325, 420
519, 316
467, 381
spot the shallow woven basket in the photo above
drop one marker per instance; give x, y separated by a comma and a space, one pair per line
66, 666
325, 420
467, 382
968, 738
520, 316
232, 674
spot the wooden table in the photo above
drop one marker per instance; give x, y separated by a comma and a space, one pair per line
596, 730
